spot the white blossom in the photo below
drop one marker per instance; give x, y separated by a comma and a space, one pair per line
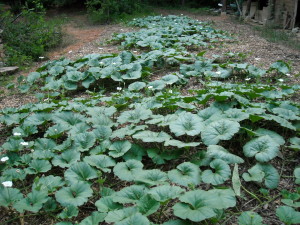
17, 170
114, 63
41, 57
280, 80
150, 87
4, 159
24, 143
119, 88
7, 184
257, 59
170, 91
100, 48
220, 4
288, 74
248, 79
70, 52
218, 72
17, 134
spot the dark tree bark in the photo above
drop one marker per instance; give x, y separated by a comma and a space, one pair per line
224, 5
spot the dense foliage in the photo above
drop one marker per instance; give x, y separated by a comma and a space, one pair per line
140, 151
28, 37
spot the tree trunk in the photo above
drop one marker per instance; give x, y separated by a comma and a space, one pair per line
224, 5
248, 6
271, 7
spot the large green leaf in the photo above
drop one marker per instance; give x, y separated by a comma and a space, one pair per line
84, 141
9, 195
130, 194
80, 171
288, 215
250, 218
119, 148
218, 152
194, 205
151, 177
187, 123
66, 159
263, 171
121, 214
50, 183
219, 130
38, 166
263, 148
276, 137
102, 132
106, 204
69, 212
136, 86
186, 173
148, 205
128, 170
135, 116
77, 194
33, 202
102, 162
150, 136
221, 198
165, 193
94, 219
220, 174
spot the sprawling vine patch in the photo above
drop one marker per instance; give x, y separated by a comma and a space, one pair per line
145, 153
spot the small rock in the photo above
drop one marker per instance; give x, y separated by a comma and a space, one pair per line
295, 30
8, 70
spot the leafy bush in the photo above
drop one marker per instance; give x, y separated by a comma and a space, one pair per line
29, 37
106, 10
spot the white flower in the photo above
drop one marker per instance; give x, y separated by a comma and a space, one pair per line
101, 63
150, 87
41, 57
17, 134
119, 88
121, 29
248, 79
288, 74
114, 63
7, 184
100, 48
218, 72
24, 143
17, 170
257, 59
135, 51
70, 52
55, 130
220, 4
4, 159
170, 91
280, 80
181, 14
134, 19
32, 150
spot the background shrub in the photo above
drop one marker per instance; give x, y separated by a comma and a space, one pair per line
28, 37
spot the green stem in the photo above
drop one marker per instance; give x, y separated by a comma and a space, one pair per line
252, 194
